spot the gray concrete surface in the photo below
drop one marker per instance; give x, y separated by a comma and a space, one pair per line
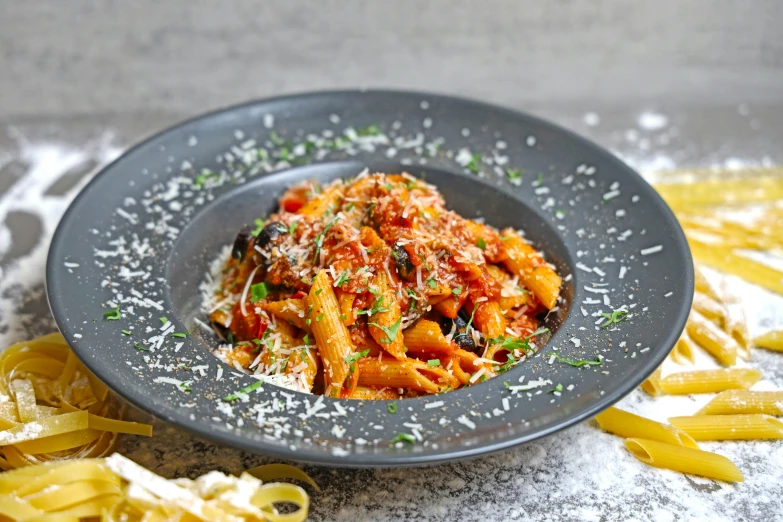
79, 74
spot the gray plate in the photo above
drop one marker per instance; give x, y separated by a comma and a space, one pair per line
141, 235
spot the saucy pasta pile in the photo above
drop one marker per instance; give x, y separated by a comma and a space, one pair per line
371, 289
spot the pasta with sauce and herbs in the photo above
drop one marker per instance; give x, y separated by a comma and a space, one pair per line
371, 289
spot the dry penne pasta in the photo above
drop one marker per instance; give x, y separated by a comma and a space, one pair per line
715, 192
682, 353
704, 286
727, 261
652, 385
709, 381
732, 402
709, 308
685, 460
410, 374
714, 340
772, 340
730, 427
736, 325
330, 333
629, 425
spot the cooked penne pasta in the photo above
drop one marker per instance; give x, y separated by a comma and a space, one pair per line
628, 425
410, 374
733, 402
426, 337
685, 460
772, 340
652, 385
291, 310
682, 353
730, 427
334, 341
709, 381
374, 394
370, 267
524, 261
714, 340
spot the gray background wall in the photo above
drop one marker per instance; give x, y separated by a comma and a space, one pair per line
63, 58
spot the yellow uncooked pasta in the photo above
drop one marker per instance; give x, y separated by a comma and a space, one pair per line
652, 384
56, 409
772, 340
714, 340
116, 489
704, 286
684, 460
727, 261
714, 192
628, 425
709, 381
709, 308
730, 427
732, 402
682, 353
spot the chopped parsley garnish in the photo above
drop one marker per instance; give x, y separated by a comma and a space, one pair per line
372, 290
481, 243
392, 407
391, 331
179, 334
473, 164
258, 292
259, 223
513, 174
292, 227
319, 239
540, 331
511, 343
433, 363
614, 318
186, 387
472, 315
320, 316
370, 130
404, 437
141, 348
432, 283
275, 138
506, 384
246, 390
306, 339
126, 332
202, 178
577, 362
556, 389
540, 178
318, 292
351, 359
388, 186
350, 206
424, 261
411, 184
112, 315
377, 307
308, 321
343, 278
456, 291
164, 320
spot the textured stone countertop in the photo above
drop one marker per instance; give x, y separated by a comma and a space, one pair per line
83, 83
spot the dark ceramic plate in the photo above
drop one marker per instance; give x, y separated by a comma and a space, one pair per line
140, 237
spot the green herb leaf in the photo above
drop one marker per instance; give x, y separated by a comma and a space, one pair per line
433, 363
474, 163
164, 319
320, 316
343, 278
391, 331
577, 362
404, 437
246, 390
370, 130
141, 348
514, 175
126, 332
318, 292
306, 339
351, 359
392, 407
186, 387
432, 283
202, 178
456, 291
481, 243
292, 227
112, 315
258, 292
615, 317
180, 335
558, 389
259, 223
319, 238
540, 331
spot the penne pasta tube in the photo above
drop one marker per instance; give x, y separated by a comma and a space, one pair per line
736, 325
652, 385
385, 325
331, 335
709, 308
346, 300
291, 310
684, 460
704, 286
490, 319
709, 381
409, 374
730, 427
682, 353
727, 261
524, 261
374, 394
329, 198
426, 337
772, 340
714, 340
628, 425
732, 402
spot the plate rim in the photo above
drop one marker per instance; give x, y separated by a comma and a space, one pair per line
400, 459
